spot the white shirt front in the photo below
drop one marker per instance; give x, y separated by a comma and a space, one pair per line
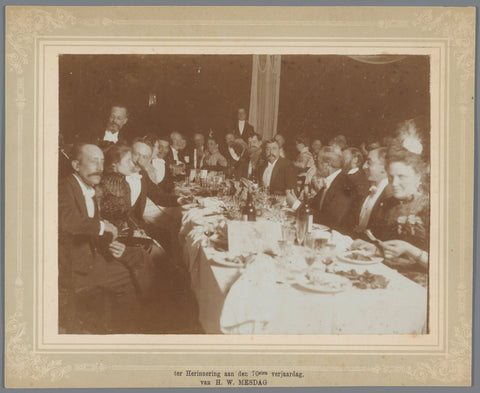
159, 167
88, 194
267, 174
369, 203
135, 182
175, 155
241, 126
353, 171
111, 136
328, 182
233, 154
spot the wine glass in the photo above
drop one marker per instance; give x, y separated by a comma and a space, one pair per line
309, 240
310, 257
208, 232
288, 234
301, 228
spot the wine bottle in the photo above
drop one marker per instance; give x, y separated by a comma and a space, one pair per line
304, 219
249, 213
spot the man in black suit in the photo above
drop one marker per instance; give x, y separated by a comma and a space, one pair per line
252, 167
177, 146
370, 212
352, 166
333, 203
228, 150
243, 129
176, 159
278, 174
197, 152
89, 257
141, 156
117, 129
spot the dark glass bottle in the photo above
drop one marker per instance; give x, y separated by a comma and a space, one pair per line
304, 219
248, 212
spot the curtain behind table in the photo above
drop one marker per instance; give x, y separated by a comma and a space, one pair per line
265, 94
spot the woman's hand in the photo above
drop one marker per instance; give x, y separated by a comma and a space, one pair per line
117, 249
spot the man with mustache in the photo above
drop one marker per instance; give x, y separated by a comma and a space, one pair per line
278, 175
370, 211
89, 266
116, 129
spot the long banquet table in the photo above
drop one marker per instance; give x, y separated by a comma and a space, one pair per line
255, 299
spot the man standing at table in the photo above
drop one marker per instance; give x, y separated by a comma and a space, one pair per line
333, 204
243, 129
85, 242
116, 130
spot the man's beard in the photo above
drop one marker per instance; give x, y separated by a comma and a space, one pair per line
114, 127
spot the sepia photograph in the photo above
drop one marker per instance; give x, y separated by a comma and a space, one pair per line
249, 194
239, 196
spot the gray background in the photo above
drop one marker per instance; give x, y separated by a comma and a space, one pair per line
476, 274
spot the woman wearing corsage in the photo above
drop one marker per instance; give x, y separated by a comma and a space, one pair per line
406, 219
402, 224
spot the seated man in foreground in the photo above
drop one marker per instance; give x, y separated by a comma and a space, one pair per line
90, 266
335, 198
278, 175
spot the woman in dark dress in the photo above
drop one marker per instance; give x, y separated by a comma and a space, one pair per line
404, 221
143, 256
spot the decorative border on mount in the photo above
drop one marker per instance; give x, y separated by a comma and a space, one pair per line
25, 24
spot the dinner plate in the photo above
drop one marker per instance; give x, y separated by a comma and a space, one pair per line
225, 263
325, 283
347, 257
320, 227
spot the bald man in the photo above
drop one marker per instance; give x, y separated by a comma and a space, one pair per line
88, 254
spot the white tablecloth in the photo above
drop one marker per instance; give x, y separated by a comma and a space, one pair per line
254, 300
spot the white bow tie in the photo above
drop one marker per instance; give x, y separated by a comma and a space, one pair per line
111, 137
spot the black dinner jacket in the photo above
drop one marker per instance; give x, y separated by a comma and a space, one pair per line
169, 159
283, 176
97, 132
225, 151
241, 168
360, 183
376, 216
166, 185
337, 206
155, 193
78, 234
248, 131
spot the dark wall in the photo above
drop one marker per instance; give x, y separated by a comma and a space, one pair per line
321, 95
330, 95
193, 92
